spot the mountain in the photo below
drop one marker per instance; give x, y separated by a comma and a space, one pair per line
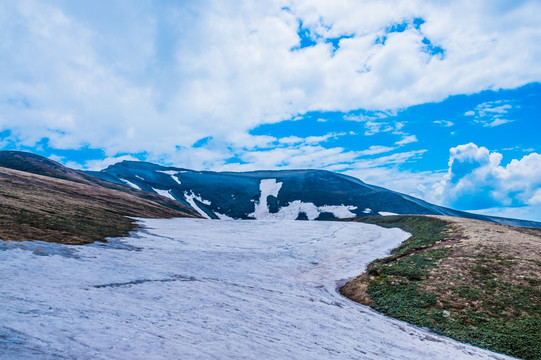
284, 194
39, 165
47, 201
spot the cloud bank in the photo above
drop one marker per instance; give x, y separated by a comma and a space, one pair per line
157, 77
476, 180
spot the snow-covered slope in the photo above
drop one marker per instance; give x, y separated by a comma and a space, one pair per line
220, 290
286, 194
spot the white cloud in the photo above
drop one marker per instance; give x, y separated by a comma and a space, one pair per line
491, 113
157, 77
376, 149
477, 180
310, 140
536, 198
446, 123
97, 165
407, 139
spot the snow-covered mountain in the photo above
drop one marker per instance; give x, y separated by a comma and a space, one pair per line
284, 194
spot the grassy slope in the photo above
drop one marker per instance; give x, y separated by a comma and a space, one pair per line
35, 207
484, 290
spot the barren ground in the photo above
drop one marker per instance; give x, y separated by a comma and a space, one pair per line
36, 207
479, 283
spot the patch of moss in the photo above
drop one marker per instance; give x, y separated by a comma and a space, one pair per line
479, 308
425, 231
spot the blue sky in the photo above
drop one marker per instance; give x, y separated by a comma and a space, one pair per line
440, 101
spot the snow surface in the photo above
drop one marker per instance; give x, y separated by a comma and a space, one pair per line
131, 184
167, 172
191, 197
340, 211
172, 173
165, 193
269, 187
223, 216
199, 289
367, 211
386, 213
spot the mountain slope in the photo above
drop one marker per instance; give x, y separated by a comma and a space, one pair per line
39, 207
39, 165
285, 194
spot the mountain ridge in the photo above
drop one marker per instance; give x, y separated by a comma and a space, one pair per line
57, 204
295, 194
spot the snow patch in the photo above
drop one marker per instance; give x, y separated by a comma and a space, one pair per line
386, 213
367, 211
167, 172
340, 211
270, 187
172, 173
139, 177
166, 193
223, 216
130, 184
191, 197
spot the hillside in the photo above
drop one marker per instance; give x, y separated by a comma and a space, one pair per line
39, 165
473, 281
37, 207
284, 194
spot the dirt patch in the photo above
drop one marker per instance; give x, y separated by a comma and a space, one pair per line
356, 290
35, 207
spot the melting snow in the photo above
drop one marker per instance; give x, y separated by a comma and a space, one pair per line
168, 172
386, 213
223, 216
166, 193
131, 184
340, 211
191, 197
187, 288
172, 173
269, 187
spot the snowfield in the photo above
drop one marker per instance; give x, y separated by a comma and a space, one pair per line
269, 187
190, 289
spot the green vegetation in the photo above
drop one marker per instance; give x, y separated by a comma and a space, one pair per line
434, 280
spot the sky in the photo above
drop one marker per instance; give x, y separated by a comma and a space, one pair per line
439, 100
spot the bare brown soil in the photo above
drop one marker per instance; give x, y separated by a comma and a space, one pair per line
35, 207
488, 252
513, 253
474, 281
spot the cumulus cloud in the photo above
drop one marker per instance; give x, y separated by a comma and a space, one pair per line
156, 77
477, 180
